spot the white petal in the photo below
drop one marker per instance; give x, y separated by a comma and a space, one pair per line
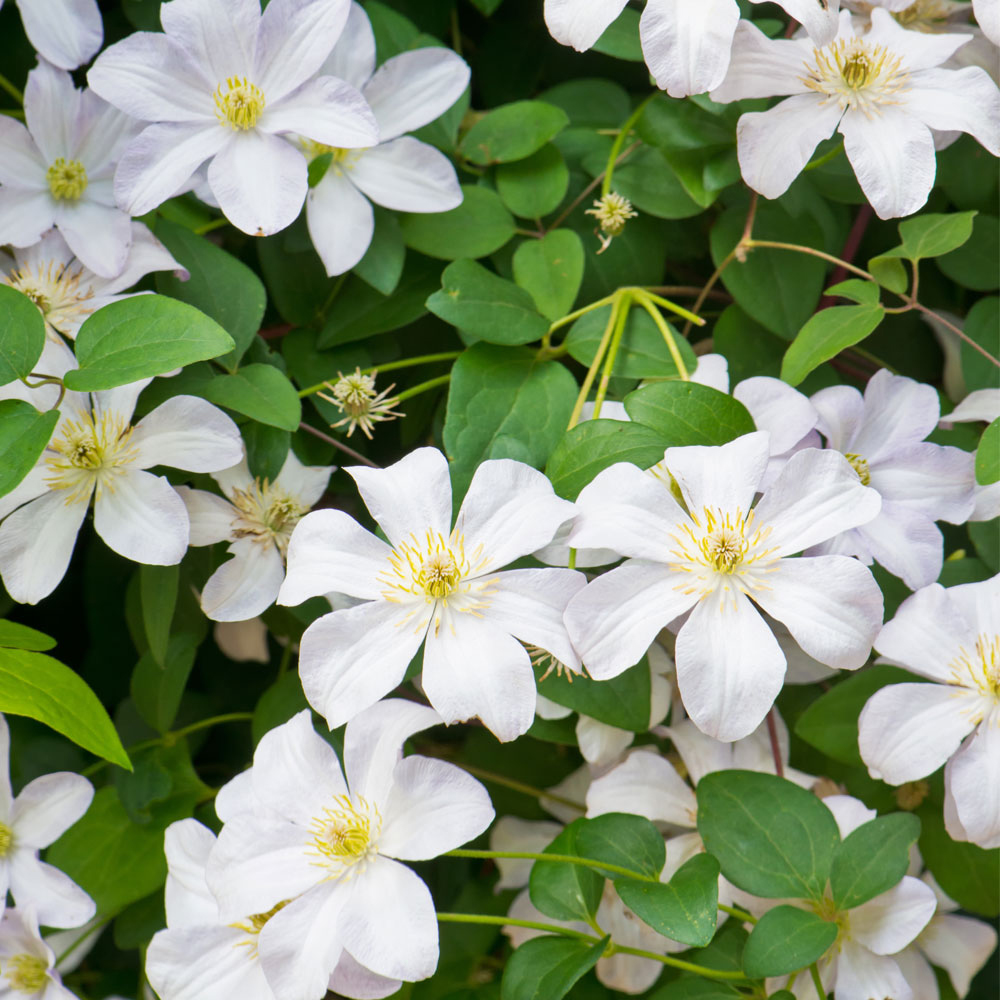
48, 806
187, 433
325, 110
979, 603
350, 659
898, 413
785, 413
906, 542
927, 50
511, 833
33, 485
820, 20
243, 642
259, 181
36, 543
907, 731
55, 898
988, 17
960, 945
729, 666
119, 401
700, 753
22, 164
861, 974
980, 405
52, 109
892, 920
246, 585
210, 516
613, 620
841, 411
409, 176
98, 235
398, 941
972, 779
712, 370
433, 807
351, 979
849, 812
938, 481
341, 221
645, 784
141, 517
918, 973
411, 497
601, 744
763, 67
330, 552
189, 902
966, 99
353, 57
24, 216
307, 483
580, 22
687, 45
146, 254
414, 88
66, 32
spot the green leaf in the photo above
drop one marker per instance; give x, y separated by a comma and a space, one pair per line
647, 179
157, 690
24, 433
825, 335
593, 102
973, 265
642, 353
786, 939
621, 38
982, 324
546, 968
110, 857
536, 185
137, 338
749, 347
22, 334
13, 635
296, 280
478, 227
622, 701
561, 890
683, 909
830, 723
42, 688
164, 786
282, 700
267, 448
889, 273
382, 265
771, 837
260, 391
931, 235
872, 859
487, 306
158, 593
503, 403
550, 270
625, 840
593, 446
220, 286
865, 293
512, 132
988, 455
685, 413
967, 873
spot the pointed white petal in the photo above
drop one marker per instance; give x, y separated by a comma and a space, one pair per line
785, 413
862, 974
52, 109
189, 902
980, 405
66, 32
906, 542
22, 163
820, 20
353, 57
24, 215
700, 753
33, 485
898, 413
341, 221
48, 806
146, 254
841, 410
54, 897
927, 50
210, 516
937, 481
511, 833
307, 483
892, 920
246, 585
141, 517
960, 945
712, 370
645, 784
409, 176
98, 235
351, 979
325, 110
601, 744
762, 67
580, 22
189, 433
849, 812
972, 779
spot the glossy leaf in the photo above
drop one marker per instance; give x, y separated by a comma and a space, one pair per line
988, 455
259, 391
562, 890
13, 635
872, 859
536, 185
479, 226
550, 270
512, 132
547, 968
158, 592
622, 701
786, 939
624, 840
684, 413
24, 433
825, 335
22, 334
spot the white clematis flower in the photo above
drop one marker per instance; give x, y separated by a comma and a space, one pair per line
226, 83
257, 519
66, 291
435, 583
907, 731
408, 91
882, 90
45, 809
882, 435
322, 853
988, 17
27, 963
706, 553
66, 32
686, 45
58, 171
95, 451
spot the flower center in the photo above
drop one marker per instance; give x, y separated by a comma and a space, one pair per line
26, 973
54, 288
89, 454
439, 574
345, 834
266, 514
827, 910
354, 395
67, 179
860, 467
238, 103
6, 839
982, 666
856, 75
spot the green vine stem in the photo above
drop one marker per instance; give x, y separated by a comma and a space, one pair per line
616, 146
612, 354
416, 390
817, 981
567, 859
6, 85
519, 786
618, 299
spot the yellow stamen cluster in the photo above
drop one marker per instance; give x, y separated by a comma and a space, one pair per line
542, 657
857, 75
6, 839
354, 395
89, 453
981, 667
67, 179
926, 15
254, 924
238, 103
26, 973
55, 289
266, 514
910, 794
725, 544
345, 834
612, 211
860, 466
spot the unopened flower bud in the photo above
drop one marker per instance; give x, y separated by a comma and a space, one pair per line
354, 395
612, 211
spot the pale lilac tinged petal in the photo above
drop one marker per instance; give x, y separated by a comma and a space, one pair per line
907, 731
510, 510
350, 659
686, 45
762, 67
246, 585
295, 37
628, 511
351, 979
862, 975
773, 146
211, 517
966, 100
259, 181
820, 20
156, 164
712, 370
601, 744
299, 946
98, 235
216, 35
701, 754
53, 111
66, 32
513, 834
188, 900
141, 517
307, 483
353, 57
979, 603
33, 485
36, 543
48, 806
104, 132
937, 481
841, 409
185, 432
729, 665
785, 413
918, 973
613, 620
580, 22
816, 496
6, 794
433, 807
645, 784
341, 221
325, 110
411, 497
22, 164
24, 216
906, 542
980, 405
849, 812
474, 668
898, 413
959, 945
55, 898
972, 779
890, 921
148, 76
330, 552
892, 155
529, 604
919, 50
720, 478
409, 176
988, 18
146, 254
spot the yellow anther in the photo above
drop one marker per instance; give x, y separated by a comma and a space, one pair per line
26, 973
860, 466
67, 179
6, 839
238, 103
89, 453
266, 514
344, 834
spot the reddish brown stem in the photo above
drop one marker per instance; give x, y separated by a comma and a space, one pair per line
851, 245
772, 732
